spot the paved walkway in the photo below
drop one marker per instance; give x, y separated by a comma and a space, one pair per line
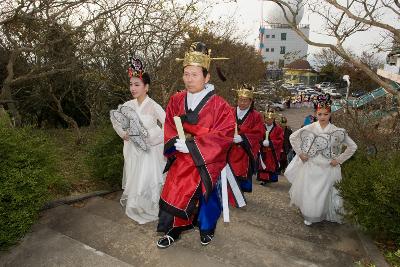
267, 232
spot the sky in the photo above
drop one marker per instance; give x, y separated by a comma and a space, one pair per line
248, 17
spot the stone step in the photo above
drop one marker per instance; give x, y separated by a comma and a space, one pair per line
108, 209
289, 245
45, 247
266, 204
133, 243
268, 208
328, 235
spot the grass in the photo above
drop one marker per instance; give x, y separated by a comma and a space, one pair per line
72, 164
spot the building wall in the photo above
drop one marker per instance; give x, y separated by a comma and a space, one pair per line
271, 43
300, 76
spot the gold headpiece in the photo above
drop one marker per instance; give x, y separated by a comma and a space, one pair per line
269, 114
246, 90
196, 58
283, 119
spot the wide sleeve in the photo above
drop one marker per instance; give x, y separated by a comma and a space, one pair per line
277, 139
253, 134
159, 113
170, 132
295, 141
116, 125
351, 148
213, 146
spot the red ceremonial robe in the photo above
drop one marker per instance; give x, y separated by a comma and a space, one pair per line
209, 129
242, 157
271, 154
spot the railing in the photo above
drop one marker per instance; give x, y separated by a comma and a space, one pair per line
362, 100
283, 26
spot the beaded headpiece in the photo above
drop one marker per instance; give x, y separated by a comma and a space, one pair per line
136, 68
201, 58
324, 102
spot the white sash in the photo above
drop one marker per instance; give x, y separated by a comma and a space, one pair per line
228, 177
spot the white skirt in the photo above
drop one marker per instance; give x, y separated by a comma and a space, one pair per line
313, 190
142, 182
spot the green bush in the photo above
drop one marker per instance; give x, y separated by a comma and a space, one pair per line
105, 157
28, 170
371, 191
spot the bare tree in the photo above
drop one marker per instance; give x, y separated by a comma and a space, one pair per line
90, 39
344, 19
327, 57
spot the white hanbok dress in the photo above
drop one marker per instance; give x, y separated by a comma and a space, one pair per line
143, 170
313, 181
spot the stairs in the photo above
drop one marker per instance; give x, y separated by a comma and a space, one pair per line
267, 232
363, 100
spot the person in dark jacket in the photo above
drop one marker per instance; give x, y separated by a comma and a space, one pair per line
287, 151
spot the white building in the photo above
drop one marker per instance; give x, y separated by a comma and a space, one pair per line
279, 44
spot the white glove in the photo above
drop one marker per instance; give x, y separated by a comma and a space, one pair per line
266, 143
237, 139
181, 146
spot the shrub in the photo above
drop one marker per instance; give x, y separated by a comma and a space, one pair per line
106, 157
28, 170
371, 189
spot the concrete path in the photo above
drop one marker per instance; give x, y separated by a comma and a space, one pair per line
267, 232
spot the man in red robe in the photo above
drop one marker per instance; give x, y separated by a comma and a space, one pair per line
242, 154
190, 195
271, 150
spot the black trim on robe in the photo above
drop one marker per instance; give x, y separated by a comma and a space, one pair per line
170, 161
240, 121
201, 166
170, 145
184, 214
192, 116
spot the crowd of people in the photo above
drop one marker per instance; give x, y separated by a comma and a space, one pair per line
301, 100
185, 165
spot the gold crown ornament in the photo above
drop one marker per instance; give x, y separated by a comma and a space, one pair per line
269, 114
283, 119
196, 58
246, 90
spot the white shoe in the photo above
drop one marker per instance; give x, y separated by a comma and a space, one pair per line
307, 223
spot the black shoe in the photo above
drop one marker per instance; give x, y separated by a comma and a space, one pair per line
263, 183
205, 239
165, 241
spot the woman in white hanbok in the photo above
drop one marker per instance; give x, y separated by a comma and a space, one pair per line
139, 123
316, 168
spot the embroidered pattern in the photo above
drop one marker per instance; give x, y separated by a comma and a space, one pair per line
328, 145
127, 118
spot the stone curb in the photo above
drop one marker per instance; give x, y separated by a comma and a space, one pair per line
372, 250
72, 199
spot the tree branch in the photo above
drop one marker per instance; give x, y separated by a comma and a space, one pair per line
394, 31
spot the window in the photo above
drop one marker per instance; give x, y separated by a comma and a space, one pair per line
283, 36
281, 63
283, 50
273, 36
272, 49
266, 49
267, 36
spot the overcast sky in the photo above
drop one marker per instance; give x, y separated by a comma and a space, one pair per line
248, 15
